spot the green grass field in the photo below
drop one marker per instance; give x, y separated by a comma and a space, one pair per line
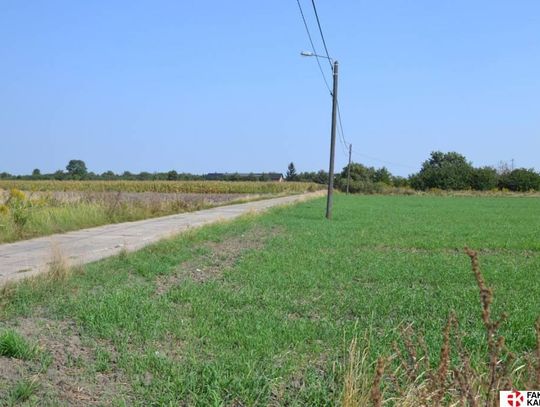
261, 311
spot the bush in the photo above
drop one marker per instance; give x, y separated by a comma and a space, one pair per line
521, 180
400, 182
484, 179
19, 207
362, 187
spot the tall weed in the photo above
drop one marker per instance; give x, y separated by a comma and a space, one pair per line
407, 377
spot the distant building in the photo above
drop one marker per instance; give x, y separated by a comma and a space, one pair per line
275, 176
227, 176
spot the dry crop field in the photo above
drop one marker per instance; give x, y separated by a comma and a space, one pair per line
36, 208
202, 187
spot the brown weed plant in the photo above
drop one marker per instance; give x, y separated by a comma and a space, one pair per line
59, 268
407, 378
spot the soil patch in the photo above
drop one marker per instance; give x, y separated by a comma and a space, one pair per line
218, 257
66, 371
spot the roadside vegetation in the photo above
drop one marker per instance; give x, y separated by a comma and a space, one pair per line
380, 306
24, 214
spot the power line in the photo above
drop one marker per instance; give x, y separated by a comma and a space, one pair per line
321, 32
341, 132
344, 143
313, 47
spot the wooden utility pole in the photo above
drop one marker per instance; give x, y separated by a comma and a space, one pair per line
349, 169
330, 196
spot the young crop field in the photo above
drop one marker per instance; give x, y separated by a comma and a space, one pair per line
30, 209
379, 306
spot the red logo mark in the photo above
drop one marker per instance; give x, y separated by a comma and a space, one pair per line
515, 399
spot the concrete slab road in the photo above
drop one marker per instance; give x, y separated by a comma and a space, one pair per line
30, 257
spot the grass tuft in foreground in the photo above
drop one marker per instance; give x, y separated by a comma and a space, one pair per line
22, 391
13, 345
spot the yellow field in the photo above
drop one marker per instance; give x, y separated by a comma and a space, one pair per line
210, 187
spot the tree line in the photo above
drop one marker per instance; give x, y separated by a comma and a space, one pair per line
445, 171
77, 170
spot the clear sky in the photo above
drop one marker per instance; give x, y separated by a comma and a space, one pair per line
219, 85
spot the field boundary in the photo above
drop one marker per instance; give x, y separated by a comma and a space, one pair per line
27, 258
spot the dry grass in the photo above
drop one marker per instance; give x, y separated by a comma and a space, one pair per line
408, 378
357, 381
59, 269
24, 215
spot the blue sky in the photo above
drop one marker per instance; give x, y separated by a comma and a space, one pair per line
220, 86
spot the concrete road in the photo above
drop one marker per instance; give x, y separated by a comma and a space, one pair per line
29, 257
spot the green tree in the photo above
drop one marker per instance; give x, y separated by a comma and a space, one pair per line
398, 181
363, 179
445, 171
291, 172
321, 177
172, 175
36, 173
76, 169
383, 175
484, 179
108, 175
359, 172
127, 175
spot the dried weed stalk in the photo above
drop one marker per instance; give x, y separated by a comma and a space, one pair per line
453, 381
